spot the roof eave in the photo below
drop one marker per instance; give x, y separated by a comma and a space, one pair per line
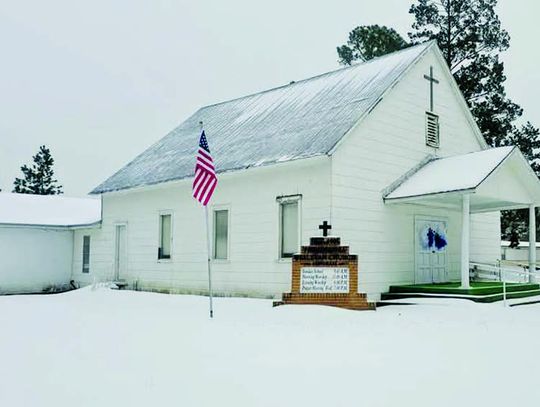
462, 101
51, 226
238, 170
410, 198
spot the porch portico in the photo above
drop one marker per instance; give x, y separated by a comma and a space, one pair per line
485, 181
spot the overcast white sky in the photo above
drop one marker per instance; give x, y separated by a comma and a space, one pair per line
100, 81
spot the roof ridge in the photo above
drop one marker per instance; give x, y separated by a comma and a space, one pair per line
344, 68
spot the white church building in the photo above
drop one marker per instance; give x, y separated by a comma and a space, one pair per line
387, 151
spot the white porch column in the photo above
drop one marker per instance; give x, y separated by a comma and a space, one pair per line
532, 241
465, 238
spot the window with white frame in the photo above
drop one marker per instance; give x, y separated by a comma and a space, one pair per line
221, 234
289, 226
165, 236
86, 254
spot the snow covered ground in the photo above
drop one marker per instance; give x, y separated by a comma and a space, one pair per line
122, 348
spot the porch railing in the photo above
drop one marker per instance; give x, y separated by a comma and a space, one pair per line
501, 271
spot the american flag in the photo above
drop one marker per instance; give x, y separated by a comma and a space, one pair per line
205, 174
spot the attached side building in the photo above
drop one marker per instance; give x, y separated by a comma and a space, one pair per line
37, 240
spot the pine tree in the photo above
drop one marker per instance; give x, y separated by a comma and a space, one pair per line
369, 41
38, 179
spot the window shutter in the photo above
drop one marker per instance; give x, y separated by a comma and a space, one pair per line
432, 129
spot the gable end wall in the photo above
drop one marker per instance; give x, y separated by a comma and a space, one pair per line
384, 146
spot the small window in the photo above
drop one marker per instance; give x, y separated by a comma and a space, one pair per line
165, 236
289, 227
86, 255
221, 234
432, 129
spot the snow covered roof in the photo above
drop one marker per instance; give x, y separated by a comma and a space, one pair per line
48, 210
457, 173
303, 119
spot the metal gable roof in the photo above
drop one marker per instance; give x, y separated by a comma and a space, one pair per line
303, 119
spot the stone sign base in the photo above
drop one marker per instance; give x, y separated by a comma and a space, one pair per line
324, 273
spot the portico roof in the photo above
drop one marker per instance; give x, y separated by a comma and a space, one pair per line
497, 178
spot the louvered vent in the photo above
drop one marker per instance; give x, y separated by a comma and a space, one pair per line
432, 129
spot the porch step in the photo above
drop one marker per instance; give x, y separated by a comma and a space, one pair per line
121, 284
386, 303
485, 298
477, 288
529, 301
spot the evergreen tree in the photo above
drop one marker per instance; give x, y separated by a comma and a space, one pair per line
369, 41
38, 179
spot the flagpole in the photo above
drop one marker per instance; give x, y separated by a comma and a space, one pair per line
208, 251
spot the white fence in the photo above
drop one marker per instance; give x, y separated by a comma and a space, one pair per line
505, 273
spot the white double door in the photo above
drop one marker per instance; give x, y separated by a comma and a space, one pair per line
431, 243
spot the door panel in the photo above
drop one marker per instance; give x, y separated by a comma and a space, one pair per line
430, 251
120, 260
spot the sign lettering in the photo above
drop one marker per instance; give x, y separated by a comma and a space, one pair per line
324, 280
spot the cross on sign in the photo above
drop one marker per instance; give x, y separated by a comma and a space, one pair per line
431, 80
325, 227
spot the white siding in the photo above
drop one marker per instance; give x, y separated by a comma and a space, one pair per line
253, 267
389, 142
34, 259
485, 237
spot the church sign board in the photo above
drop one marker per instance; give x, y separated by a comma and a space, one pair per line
325, 273
324, 280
